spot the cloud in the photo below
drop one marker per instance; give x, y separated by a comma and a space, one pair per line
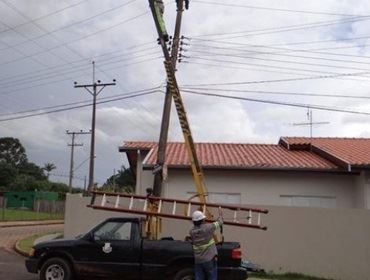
256, 49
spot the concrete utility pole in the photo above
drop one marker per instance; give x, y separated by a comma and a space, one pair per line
73, 145
162, 143
95, 86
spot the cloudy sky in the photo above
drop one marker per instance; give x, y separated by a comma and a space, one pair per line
265, 55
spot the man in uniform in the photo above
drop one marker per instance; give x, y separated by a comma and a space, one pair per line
204, 246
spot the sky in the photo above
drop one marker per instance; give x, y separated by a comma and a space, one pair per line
250, 72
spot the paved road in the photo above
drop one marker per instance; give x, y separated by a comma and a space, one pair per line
11, 264
12, 267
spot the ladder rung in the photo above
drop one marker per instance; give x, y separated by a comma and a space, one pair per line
159, 207
103, 200
189, 208
117, 202
235, 217
145, 205
131, 203
174, 208
250, 217
259, 219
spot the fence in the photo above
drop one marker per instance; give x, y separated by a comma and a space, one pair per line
49, 206
42, 210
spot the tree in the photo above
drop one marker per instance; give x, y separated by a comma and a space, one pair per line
12, 152
123, 181
48, 167
31, 169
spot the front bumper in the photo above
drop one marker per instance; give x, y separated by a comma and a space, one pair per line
232, 273
32, 265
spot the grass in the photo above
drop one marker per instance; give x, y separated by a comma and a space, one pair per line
285, 276
26, 244
27, 215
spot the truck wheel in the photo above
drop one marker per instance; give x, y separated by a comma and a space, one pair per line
185, 274
56, 269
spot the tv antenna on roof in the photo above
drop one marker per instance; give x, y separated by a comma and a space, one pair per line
310, 121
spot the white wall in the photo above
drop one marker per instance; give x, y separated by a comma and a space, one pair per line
266, 188
331, 243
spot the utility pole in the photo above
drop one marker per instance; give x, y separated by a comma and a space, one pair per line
97, 87
73, 145
162, 143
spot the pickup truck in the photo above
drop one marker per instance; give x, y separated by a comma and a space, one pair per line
117, 249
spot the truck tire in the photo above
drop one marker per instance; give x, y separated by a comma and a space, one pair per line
185, 274
56, 269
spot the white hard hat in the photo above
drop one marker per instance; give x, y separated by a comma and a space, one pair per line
198, 216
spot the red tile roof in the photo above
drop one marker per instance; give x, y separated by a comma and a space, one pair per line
354, 151
238, 156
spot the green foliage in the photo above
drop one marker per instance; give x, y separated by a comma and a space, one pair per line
48, 167
12, 152
123, 181
18, 174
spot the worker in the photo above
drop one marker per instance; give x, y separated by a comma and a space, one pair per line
159, 10
204, 246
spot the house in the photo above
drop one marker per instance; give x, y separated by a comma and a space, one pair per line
311, 172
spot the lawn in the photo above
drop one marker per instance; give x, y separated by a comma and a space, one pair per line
27, 215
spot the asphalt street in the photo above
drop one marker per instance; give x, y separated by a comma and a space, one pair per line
11, 263
12, 267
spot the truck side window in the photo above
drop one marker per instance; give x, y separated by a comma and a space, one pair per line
113, 231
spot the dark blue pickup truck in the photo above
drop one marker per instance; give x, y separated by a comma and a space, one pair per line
117, 249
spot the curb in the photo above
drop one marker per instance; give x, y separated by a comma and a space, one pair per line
32, 224
19, 250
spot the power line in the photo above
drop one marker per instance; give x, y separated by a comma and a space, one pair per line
280, 80
273, 30
77, 106
280, 61
76, 40
281, 93
278, 53
272, 9
58, 29
66, 79
315, 51
78, 102
317, 107
333, 74
44, 16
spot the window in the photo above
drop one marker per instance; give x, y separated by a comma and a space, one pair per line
114, 231
308, 201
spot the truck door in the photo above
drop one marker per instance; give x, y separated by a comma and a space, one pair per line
111, 251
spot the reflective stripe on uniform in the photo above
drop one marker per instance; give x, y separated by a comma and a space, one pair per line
199, 248
216, 224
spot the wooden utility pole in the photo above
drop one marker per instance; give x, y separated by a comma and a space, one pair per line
162, 143
73, 145
95, 86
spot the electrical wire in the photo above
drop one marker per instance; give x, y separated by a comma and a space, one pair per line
47, 32
280, 93
278, 80
312, 106
272, 9
273, 30
77, 106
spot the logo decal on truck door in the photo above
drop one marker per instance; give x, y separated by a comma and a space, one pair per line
107, 248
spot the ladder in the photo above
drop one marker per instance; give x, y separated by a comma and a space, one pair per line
233, 215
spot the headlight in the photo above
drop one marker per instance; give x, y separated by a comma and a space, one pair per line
32, 252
